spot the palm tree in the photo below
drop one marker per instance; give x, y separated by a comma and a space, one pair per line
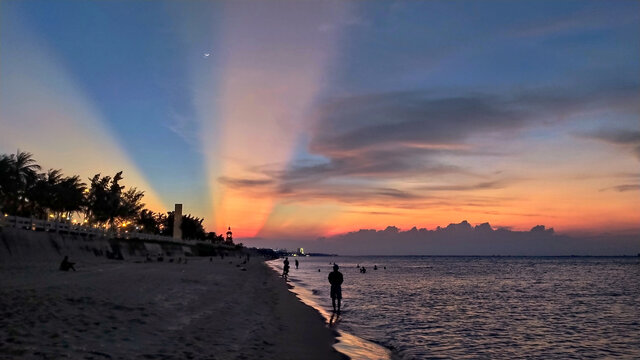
43, 196
131, 204
21, 176
70, 195
6, 166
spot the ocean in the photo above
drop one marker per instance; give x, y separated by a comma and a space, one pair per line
417, 307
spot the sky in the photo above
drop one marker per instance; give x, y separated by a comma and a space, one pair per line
295, 121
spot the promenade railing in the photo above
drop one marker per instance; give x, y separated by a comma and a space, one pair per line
81, 229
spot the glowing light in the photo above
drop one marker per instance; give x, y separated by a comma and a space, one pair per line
38, 93
265, 96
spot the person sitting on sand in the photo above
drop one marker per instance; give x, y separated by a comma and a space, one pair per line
335, 279
65, 265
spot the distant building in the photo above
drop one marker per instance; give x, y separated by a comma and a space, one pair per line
300, 251
229, 236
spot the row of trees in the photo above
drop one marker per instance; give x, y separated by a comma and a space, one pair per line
104, 202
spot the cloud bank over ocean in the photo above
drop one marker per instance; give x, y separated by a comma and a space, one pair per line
466, 239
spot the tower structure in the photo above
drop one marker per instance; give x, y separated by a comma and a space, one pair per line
177, 222
229, 235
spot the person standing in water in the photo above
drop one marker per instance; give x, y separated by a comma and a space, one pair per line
335, 279
297, 264
285, 270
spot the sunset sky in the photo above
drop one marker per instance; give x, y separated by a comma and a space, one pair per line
300, 119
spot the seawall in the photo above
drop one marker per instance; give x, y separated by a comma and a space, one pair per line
26, 246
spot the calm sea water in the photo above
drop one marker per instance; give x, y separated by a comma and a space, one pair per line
484, 307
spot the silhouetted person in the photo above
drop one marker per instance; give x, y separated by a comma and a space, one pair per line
285, 270
297, 264
65, 265
335, 279
363, 270
375, 267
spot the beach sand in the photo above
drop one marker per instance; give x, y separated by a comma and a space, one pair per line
112, 309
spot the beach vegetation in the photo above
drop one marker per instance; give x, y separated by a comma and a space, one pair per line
102, 203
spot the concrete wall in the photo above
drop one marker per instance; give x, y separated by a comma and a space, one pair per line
25, 246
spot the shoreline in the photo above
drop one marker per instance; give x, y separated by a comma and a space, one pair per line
131, 309
354, 347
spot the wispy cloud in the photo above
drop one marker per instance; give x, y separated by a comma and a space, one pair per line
245, 183
186, 128
621, 137
428, 118
623, 188
586, 19
496, 184
365, 142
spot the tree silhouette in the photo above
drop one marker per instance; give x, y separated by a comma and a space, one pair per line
191, 226
5, 180
104, 202
150, 222
130, 204
44, 196
69, 196
19, 175
103, 199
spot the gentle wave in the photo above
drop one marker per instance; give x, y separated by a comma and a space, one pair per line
487, 307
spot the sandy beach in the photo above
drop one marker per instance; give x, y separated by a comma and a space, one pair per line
111, 309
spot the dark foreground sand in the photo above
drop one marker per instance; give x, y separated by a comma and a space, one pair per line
128, 310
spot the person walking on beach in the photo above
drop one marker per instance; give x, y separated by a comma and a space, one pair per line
297, 264
335, 279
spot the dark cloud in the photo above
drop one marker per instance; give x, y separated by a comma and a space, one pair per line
379, 163
481, 185
465, 239
620, 137
245, 183
624, 188
428, 119
482, 239
366, 141
351, 194
404, 118
617, 136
